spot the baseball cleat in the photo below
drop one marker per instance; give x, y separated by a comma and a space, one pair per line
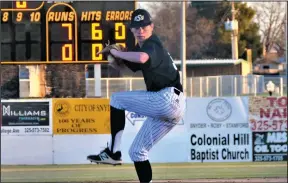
106, 157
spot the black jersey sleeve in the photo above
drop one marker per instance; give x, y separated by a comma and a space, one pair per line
132, 66
153, 50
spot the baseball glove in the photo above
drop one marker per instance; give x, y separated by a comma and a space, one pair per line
114, 62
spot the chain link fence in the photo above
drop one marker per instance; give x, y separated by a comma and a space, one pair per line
211, 86
225, 86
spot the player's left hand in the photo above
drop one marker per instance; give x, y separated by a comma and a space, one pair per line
113, 61
116, 63
109, 47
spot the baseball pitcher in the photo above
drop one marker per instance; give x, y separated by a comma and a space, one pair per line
163, 103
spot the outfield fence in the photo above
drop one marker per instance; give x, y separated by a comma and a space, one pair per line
210, 86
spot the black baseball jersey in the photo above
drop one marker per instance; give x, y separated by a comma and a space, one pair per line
159, 71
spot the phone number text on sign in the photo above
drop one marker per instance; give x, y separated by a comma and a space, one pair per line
266, 125
25, 130
268, 113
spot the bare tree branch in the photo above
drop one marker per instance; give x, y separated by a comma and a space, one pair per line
271, 17
167, 16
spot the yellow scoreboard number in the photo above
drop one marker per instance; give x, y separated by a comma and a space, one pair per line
35, 32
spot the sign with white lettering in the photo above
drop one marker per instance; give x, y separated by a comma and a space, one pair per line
270, 146
25, 117
218, 129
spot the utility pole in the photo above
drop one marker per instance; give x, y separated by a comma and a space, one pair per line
183, 45
234, 33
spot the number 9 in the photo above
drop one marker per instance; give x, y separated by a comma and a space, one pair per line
19, 16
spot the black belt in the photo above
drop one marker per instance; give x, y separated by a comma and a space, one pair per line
177, 91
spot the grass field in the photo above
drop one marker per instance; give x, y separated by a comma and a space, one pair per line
182, 172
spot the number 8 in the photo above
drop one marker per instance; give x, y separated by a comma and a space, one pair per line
5, 16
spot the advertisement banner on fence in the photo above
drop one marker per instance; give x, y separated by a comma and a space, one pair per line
81, 116
25, 117
219, 129
270, 146
268, 114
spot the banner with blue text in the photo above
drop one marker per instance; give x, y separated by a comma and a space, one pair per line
219, 131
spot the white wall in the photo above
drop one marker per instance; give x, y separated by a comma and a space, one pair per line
75, 148
174, 147
26, 150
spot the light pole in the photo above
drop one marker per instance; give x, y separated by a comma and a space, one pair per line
233, 27
234, 33
183, 45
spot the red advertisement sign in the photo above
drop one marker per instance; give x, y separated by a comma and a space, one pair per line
268, 113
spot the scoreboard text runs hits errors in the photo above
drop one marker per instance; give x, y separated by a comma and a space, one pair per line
35, 32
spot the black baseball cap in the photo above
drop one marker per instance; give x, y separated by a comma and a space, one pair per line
140, 18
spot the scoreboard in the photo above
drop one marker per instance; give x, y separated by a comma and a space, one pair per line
38, 32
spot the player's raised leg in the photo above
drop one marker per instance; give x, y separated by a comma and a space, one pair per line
112, 154
141, 102
160, 105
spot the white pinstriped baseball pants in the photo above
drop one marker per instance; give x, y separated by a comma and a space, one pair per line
163, 109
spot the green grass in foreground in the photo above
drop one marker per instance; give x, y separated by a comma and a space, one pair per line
56, 173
